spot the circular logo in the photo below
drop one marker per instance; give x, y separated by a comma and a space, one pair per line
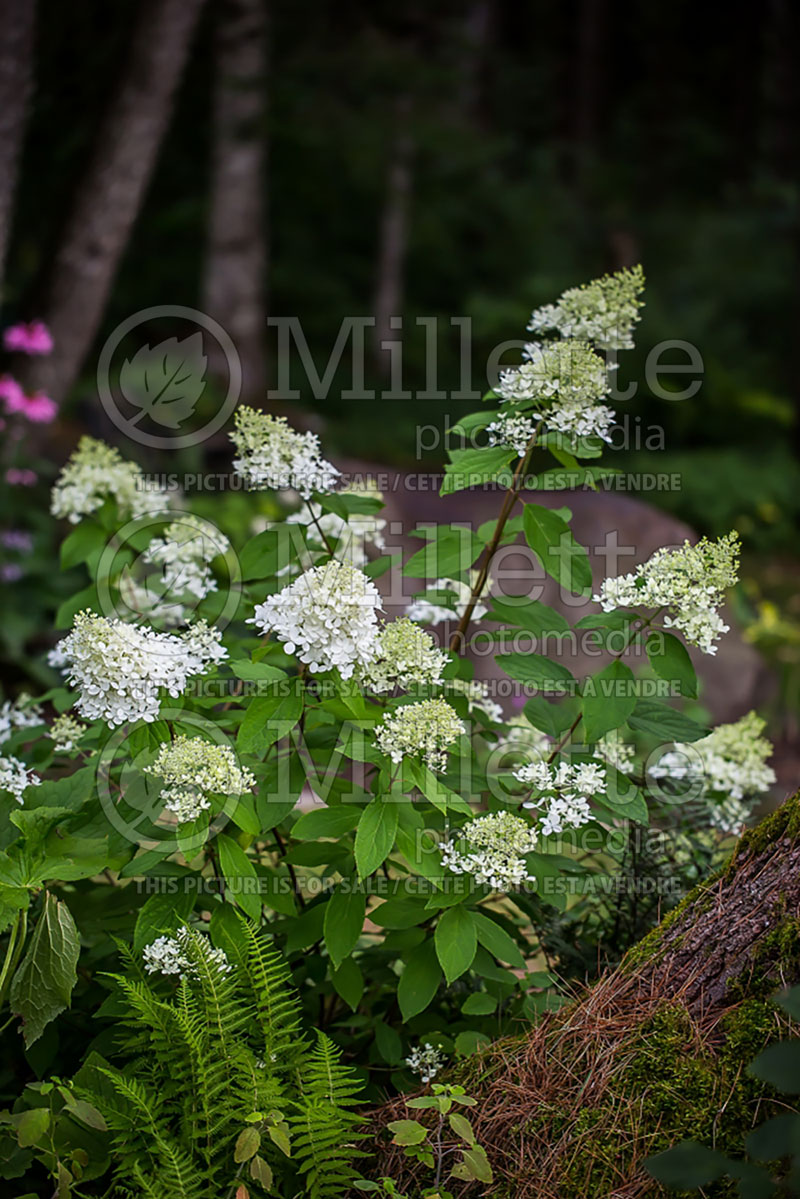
157, 390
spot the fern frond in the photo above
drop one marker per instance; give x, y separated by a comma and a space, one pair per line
276, 1003
322, 1127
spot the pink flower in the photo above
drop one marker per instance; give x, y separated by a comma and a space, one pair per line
33, 338
11, 394
21, 476
40, 408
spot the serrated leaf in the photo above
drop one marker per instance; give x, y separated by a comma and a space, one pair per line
32, 1125
327, 822
166, 381
532, 615
419, 981
536, 669
551, 539
670, 660
247, 1145
608, 698
344, 920
407, 1132
241, 879
269, 718
461, 1127
43, 983
456, 940
664, 722
261, 1172
450, 551
496, 940
377, 828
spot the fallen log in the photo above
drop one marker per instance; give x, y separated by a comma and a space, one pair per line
654, 1053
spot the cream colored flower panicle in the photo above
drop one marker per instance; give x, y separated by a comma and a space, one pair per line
184, 553
603, 311
562, 792
492, 850
15, 777
426, 1061
97, 472
425, 730
513, 431
274, 455
20, 713
615, 752
689, 582
120, 669
405, 657
194, 769
178, 954
565, 383
328, 617
65, 732
731, 761
478, 698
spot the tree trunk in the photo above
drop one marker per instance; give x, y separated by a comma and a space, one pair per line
236, 260
652, 1054
393, 233
16, 76
111, 192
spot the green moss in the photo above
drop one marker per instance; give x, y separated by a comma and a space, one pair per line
785, 822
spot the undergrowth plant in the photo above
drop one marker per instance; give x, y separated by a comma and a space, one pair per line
235, 725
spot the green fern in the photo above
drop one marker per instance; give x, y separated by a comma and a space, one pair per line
202, 1062
322, 1123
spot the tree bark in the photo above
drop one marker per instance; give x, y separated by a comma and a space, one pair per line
236, 258
393, 233
110, 194
17, 19
574, 1107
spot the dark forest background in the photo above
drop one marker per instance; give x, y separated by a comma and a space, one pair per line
323, 159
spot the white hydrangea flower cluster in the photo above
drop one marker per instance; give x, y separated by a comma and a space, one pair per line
426, 1061
731, 761
513, 431
172, 955
730, 816
16, 777
603, 311
690, 581
615, 752
274, 455
427, 611
20, 713
94, 473
494, 851
120, 668
328, 617
423, 730
405, 657
184, 554
192, 770
65, 732
563, 792
352, 535
566, 381
478, 698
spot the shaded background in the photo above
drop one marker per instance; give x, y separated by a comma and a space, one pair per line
329, 159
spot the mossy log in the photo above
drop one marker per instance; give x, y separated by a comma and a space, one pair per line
654, 1053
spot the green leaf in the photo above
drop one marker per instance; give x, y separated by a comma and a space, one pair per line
348, 981
687, 1165
474, 1165
247, 1145
456, 941
553, 719
650, 716
266, 553
87, 598
261, 1172
33, 1124
670, 660
241, 879
388, 1043
256, 672
778, 1137
375, 835
527, 614
479, 1004
344, 920
462, 1127
327, 822
161, 913
779, 1065
536, 669
87, 1113
83, 541
419, 981
42, 986
268, 718
609, 697
494, 938
407, 1132
551, 539
450, 551
474, 468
